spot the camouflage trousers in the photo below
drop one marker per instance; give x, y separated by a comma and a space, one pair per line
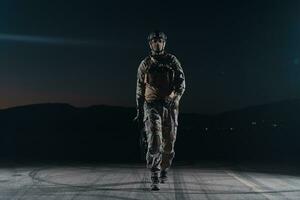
161, 123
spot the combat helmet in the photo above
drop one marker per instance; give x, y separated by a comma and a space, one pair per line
157, 34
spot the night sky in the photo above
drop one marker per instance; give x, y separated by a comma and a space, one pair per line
234, 53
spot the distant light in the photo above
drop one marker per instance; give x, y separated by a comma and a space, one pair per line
206, 129
253, 123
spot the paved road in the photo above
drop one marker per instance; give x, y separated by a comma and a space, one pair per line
132, 181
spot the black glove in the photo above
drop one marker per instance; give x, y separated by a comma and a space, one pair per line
140, 110
139, 115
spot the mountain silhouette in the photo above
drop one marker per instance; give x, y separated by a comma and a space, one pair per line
60, 131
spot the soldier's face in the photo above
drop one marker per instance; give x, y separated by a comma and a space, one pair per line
157, 44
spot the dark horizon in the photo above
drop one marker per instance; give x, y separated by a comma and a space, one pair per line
184, 112
60, 132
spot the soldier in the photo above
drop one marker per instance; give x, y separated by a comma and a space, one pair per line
160, 85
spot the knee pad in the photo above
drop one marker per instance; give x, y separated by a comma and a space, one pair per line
155, 151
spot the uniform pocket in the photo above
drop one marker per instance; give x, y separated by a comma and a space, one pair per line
145, 112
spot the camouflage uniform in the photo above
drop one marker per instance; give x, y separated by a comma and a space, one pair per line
160, 79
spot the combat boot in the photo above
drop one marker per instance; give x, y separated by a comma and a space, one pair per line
163, 176
155, 181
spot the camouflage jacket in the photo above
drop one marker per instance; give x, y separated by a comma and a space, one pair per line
174, 87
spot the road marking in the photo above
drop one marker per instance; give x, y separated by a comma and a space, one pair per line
253, 186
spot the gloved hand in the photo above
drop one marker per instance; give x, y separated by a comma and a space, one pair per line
139, 115
139, 111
